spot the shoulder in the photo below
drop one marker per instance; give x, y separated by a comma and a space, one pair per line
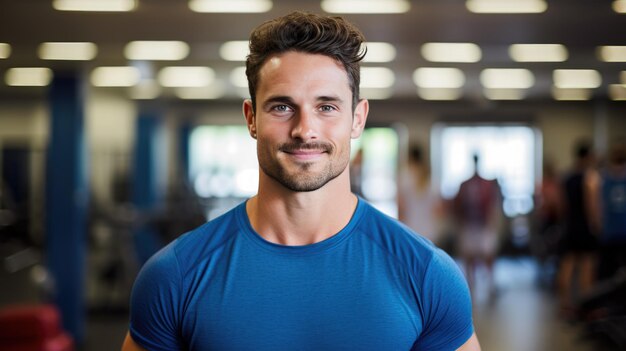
407, 247
198, 244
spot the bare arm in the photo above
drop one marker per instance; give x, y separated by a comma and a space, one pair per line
471, 344
131, 345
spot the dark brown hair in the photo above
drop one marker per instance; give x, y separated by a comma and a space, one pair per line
309, 33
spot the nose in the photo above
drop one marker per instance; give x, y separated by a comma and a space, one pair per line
304, 127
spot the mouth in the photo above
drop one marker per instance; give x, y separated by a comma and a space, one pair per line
306, 152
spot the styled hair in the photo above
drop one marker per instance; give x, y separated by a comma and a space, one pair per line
308, 33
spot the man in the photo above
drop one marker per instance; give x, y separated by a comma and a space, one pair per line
304, 264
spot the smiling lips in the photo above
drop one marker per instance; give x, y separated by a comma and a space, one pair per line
306, 151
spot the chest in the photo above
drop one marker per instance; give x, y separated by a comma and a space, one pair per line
348, 299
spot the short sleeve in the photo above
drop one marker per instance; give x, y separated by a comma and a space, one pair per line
447, 306
155, 303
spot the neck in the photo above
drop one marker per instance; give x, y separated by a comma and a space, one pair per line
286, 217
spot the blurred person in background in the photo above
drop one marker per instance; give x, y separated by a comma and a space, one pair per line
613, 213
579, 243
477, 208
304, 264
549, 220
419, 205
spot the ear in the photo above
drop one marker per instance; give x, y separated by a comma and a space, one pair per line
248, 112
359, 118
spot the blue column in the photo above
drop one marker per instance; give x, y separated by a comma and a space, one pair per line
184, 135
66, 201
147, 171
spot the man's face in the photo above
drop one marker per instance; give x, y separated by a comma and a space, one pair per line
304, 120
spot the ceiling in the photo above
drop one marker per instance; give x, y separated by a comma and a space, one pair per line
579, 25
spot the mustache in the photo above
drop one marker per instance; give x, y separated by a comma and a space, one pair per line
298, 146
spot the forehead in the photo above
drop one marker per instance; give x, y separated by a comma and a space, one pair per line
296, 71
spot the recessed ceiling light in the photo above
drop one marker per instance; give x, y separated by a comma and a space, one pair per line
451, 52
78, 51
437, 77
612, 53
538, 52
439, 93
506, 6
236, 50
379, 52
507, 78
186, 76
619, 6
504, 94
115, 76
576, 78
95, 5
376, 93
238, 77
571, 94
5, 50
370, 6
156, 50
28, 76
617, 91
230, 6
377, 77
215, 91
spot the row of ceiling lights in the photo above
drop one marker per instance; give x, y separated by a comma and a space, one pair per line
331, 6
376, 51
433, 83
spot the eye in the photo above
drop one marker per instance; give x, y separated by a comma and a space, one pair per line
327, 108
281, 108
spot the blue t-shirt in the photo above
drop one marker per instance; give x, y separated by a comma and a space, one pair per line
375, 285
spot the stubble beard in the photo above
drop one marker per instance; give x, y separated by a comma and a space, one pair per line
303, 179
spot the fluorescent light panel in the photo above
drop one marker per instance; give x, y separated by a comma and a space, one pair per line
156, 50
369, 6
507, 78
617, 91
377, 77
379, 52
5, 50
115, 76
215, 91
190, 76
619, 6
231, 6
438, 77
538, 52
236, 50
439, 93
504, 94
238, 77
612, 53
77, 51
376, 93
576, 78
28, 76
451, 52
95, 5
506, 6
571, 94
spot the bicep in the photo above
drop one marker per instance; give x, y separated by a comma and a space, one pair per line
131, 345
471, 344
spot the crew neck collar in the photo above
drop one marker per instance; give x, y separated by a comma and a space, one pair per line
314, 248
